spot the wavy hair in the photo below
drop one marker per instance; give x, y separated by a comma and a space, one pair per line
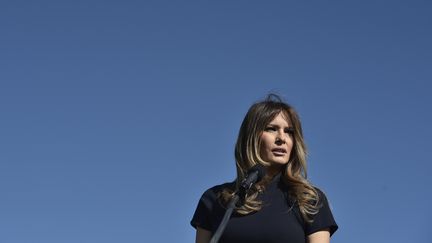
247, 155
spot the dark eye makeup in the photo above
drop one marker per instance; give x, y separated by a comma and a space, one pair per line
288, 130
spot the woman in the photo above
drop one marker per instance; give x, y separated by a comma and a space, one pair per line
284, 206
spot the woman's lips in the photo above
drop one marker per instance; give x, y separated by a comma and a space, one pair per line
279, 151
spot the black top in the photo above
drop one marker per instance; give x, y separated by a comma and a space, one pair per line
279, 219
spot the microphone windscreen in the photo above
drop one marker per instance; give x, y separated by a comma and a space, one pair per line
260, 169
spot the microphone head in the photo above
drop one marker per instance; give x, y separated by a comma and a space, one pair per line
259, 169
254, 175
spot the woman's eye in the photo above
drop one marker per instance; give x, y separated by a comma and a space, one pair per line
270, 129
290, 130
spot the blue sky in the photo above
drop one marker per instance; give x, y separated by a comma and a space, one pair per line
117, 115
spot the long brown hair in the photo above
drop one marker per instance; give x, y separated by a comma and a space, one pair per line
247, 155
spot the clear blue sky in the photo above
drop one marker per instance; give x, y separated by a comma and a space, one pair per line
117, 115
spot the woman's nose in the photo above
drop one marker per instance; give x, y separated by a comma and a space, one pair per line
280, 138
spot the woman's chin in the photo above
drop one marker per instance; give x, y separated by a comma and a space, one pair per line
279, 161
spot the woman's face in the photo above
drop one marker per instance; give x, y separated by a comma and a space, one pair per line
277, 141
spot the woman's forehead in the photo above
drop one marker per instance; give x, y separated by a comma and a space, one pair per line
284, 116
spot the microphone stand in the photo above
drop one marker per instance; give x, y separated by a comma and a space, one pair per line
256, 173
225, 219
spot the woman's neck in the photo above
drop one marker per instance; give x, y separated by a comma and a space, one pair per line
272, 171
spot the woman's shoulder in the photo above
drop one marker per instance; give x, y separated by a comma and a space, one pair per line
209, 208
323, 219
211, 195
321, 194
215, 190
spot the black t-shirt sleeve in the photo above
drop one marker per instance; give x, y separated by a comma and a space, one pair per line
203, 214
323, 219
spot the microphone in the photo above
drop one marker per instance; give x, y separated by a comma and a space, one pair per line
254, 175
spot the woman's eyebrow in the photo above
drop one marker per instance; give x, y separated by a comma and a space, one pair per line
274, 125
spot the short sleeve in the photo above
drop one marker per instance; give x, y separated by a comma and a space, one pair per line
203, 212
323, 219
